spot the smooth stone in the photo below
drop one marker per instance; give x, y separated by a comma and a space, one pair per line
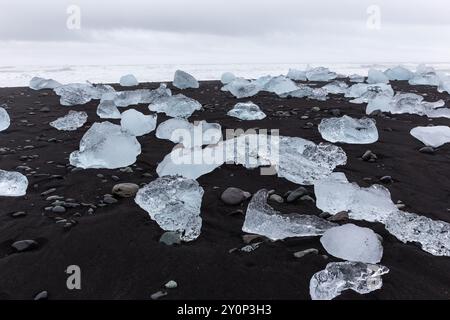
43, 295
427, 149
59, 209
24, 245
369, 155
297, 193
170, 238
18, 214
340, 216
171, 284
386, 179
158, 295
125, 190
109, 200
47, 192
301, 254
276, 198
234, 196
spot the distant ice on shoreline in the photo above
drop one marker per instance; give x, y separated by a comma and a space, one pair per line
20, 76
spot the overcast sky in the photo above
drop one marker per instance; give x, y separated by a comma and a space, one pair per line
223, 31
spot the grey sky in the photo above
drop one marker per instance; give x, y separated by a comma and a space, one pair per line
222, 31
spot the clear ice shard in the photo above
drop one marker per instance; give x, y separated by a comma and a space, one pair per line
320, 74
280, 85
190, 135
136, 123
81, 93
376, 76
297, 75
336, 87
108, 110
174, 203
425, 75
262, 219
408, 103
363, 92
37, 83
296, 159
353, 243
227, 77
12, 184
444, 84
246, 111
127, 98
242, 88
340, 276
349, 130
183, 80
356, 78
5, 121
71, 121
105, 145
128, 80
304, 90
399, 73
177, 106
434, 136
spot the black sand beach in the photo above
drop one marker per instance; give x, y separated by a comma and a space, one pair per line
118, 248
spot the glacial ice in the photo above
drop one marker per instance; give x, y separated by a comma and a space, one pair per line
340, 276
297, 75
320, 74
136, 123
434, 136
177, 106
108, 110
304, 90
190, 135
364, 93
133, 97
242, 88
105, 145
353, 243
444, 84
81, 93
12, 184
5, 121
376, 76
336, 87
356, 78
183, 80
37, 83
399, 73
247, 111
425, 75
174, 203
279, 85
128, 80
349, 130
227, 77
262, 219
71, 121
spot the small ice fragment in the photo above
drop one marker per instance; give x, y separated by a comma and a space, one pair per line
12, 184
37, 83
71, 121
242, 88
183, 80
246, 111
5, 121
227, 77
108, 110
353, 243
376, 76
136, 123
128, 80
262, 219
349, 130
174, 203
280, 85
105, 145
434, 136
178, 106
340, 276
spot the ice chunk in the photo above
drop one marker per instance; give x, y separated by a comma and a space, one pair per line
128, 80
246, 111
108, 110
127, 98
81, 93
105, 145
178, 106
353, 243
5, 121
364, 93
376, 76
136, 123
183, 80
190, 135
433, 235
262, 219
335, 194
425, 76
280, 85
297, 75
174, 203
304, 90
434, 136
227, 77
37, 83
320, 74
336, 87
399, 73
71, 121
242, 88
356, 78
349, 130
12, 184
340, 276
444, 84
